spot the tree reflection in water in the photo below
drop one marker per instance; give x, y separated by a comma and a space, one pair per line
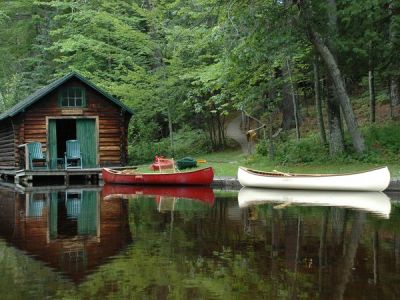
183, 248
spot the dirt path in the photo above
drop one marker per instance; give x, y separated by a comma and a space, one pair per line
234, 132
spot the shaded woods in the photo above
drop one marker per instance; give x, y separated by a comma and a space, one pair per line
328, 68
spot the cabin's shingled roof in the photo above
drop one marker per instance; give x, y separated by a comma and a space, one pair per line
20, 106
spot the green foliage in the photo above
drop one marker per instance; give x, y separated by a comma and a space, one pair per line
186, 142
304, 151
192, 63
3, 17
16, 39
262, 148
384, 140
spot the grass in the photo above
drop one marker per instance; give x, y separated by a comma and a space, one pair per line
226, 164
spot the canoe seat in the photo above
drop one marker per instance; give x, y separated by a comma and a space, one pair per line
72, 156
36, 155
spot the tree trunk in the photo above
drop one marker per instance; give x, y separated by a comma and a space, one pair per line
271, 148
397, 251
171, 135
211, 131
275, 243
2, 103
371, 84
220, 131
394, 91
394, 78
346, 264
333, 69
332, 7
372, 98
375, 244
318, 104
223, 131
394, 96
336, 140
338, 219
287, 102
295, 110
322, 248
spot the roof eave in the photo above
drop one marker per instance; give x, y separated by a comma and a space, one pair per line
13, 111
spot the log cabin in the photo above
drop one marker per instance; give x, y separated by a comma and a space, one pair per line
69, 108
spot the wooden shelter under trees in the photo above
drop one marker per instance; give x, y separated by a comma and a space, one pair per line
69, 108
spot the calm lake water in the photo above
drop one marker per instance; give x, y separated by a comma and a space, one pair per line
196, 243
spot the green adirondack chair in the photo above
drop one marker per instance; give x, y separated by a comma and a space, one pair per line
73, 157
36, 155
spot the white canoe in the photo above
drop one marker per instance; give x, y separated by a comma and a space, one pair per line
374, 202
374, 180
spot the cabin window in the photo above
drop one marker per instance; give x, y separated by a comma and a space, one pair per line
72, 97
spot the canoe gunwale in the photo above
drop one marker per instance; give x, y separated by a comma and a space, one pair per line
284, 174
202, 176
371, 180
119, 173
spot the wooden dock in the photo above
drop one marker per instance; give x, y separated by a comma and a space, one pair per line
26, 177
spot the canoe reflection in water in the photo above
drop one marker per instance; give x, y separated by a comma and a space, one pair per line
163, 194
73, 230
374, 202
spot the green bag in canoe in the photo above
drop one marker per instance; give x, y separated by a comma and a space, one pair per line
186, 162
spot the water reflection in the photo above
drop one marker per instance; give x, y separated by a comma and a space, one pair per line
198, 193
374, 202
172, 243
72, 230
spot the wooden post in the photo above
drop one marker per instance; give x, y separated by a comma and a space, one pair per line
26, 154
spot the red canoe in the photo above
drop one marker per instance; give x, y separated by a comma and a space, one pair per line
202, 194
198, 177
161, 163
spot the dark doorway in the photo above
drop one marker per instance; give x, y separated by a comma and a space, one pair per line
67, 222
66, 130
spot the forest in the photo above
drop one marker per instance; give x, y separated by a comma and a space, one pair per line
322, 75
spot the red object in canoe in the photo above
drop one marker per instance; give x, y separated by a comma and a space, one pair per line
200, 193
198, 177
161, 163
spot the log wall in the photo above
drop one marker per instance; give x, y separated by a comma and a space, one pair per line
7, 145
112, 124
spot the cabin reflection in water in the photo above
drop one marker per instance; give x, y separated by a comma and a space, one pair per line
73, 231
